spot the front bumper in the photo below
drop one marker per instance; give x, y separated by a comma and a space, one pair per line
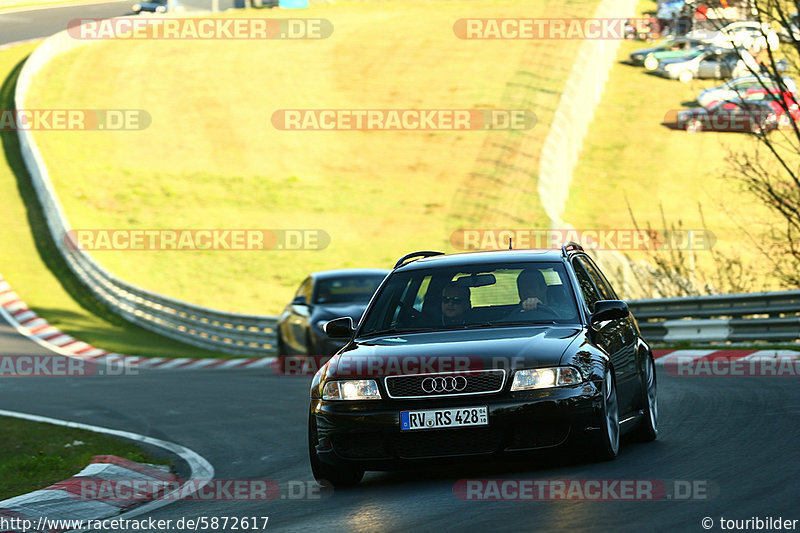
366, 434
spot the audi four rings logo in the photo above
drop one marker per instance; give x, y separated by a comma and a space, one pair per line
444, 384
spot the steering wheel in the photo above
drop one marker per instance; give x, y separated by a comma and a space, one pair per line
541, 307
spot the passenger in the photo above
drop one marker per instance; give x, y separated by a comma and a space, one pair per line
456, 305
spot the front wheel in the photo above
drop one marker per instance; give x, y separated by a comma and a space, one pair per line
686, 76
329, 475
648, 429
650, 62
606, 446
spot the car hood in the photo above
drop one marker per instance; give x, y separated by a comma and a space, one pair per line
443, 351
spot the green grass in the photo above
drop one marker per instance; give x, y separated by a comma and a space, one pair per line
36, 455
211, 158
629, 155
35, 269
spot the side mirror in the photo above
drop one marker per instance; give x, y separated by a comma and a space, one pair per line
299, 300
609, 310
339, 328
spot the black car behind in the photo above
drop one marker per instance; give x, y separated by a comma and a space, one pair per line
323, 296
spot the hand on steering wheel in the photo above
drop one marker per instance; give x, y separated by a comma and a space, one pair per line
538, 306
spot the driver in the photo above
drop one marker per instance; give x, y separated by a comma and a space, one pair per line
532, 290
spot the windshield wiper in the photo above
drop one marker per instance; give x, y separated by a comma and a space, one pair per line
392, 331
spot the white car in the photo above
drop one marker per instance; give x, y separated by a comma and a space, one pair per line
748, 34
737, 87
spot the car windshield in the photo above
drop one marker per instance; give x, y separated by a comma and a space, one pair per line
346, 289
477, 296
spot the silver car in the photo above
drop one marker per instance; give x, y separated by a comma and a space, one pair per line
714, 63
738, 86
745, 34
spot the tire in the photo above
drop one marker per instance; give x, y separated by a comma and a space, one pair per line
686, 76
606, 446
694, 126
648, 428
650, 62
329, 475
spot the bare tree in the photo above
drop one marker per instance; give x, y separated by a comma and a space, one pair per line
771, 174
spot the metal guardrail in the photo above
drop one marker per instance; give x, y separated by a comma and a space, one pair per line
237, 334
761, 316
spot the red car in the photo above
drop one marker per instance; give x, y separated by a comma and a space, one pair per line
771, 97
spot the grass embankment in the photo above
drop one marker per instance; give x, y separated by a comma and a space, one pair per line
629, 153
35, 455
211, 158
33, 266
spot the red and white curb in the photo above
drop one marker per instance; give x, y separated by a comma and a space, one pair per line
37, 329
64, 501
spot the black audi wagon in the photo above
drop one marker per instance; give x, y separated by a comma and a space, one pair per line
481, 354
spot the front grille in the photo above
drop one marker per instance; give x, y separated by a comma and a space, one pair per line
447, 442
477, 382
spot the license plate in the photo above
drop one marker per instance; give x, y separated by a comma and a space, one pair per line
443, 418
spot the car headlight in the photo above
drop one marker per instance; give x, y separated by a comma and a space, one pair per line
136, 7
161, 9
353, 389
545, 378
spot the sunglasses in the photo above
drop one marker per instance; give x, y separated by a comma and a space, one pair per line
454, 299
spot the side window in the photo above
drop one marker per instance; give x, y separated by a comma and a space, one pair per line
602, 284
590, 293
305, 289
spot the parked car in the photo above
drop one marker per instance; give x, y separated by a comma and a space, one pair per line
672, 48
738, 86
755, 116
784, 105
748, 34
156, 6
321, 297
715, 63
549, 355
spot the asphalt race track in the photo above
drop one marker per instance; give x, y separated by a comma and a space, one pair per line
737, 439
23, 25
